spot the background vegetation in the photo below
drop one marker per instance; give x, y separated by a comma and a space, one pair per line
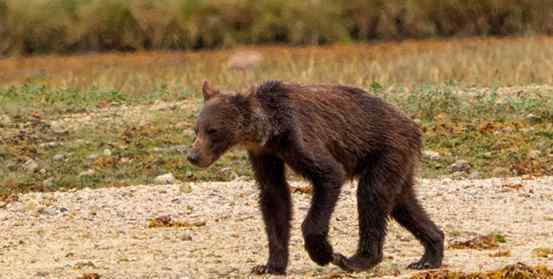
478, 100
39, 26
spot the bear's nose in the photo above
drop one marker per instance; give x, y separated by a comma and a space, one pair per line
193, 157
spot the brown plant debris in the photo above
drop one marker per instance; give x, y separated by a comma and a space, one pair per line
518, 271
302, 190
543, 252
166, 222
512, 187
482, 242
501, 253
92, 275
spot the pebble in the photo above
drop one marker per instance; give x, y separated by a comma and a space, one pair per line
5, 120
458, 175
534, 154
186, 236
460, 166
475, 175
59, 157
533, 119
167, 178
92, 157
431, 155
49, 211
185, 188
48, 183
30, 165
107, 152
89, 172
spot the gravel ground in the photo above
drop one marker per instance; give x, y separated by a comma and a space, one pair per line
105, 231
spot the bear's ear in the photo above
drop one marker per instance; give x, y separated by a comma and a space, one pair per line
208, 92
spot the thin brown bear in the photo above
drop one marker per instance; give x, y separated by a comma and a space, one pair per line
327, 134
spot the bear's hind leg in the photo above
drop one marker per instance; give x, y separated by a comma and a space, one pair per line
410, 214
377, 192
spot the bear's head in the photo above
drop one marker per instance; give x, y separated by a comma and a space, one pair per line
225, 120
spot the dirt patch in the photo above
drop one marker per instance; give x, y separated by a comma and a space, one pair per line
106, 231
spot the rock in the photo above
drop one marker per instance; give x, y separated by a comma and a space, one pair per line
186, 236
31, 205
167, 178
5, 120
431, 155
244, 60
458, 175
185, 188
48, 183
50, 144
89, 172
107, 152
30, 165
534, 154
42, 171
500, 171
533, 119
48, 211
92, 157
475, 175
542, 146
59, 157
156, 150
460, 166
3, 204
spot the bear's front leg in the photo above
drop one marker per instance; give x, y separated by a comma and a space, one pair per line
275, 203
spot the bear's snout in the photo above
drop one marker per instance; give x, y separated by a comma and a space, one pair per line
193, 157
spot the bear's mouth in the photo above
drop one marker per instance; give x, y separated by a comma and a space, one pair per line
204, 162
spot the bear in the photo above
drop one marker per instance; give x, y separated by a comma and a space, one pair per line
328, 134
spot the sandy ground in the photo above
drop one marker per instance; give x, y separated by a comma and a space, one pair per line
105, 231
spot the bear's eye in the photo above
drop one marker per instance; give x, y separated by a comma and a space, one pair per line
211, 131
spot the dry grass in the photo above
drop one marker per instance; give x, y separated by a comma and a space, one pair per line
468, 62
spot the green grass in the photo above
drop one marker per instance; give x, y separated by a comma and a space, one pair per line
487, 128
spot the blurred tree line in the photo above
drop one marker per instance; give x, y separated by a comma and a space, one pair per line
41, 26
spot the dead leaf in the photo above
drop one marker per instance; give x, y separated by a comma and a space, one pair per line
166, 222
483, 242
543, 252
90, 276
511, 187
501, 253
302, 190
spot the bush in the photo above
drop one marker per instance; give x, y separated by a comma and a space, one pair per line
94, 25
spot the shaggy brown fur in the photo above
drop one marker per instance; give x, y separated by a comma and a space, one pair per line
327, 134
